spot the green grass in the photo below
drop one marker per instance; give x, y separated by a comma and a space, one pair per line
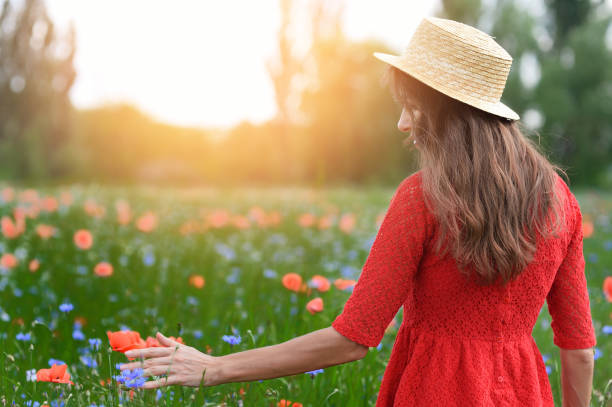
149, 291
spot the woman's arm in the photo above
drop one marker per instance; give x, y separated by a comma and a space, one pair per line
577, 376
187, 366
315, 350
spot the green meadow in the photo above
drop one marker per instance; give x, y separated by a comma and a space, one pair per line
149, 289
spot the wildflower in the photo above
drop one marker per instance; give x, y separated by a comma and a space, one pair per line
231, 339
587, 228
8, 260
31, 375
56, 362
320, 282
33, 265
313, 373
23, 337
347, 223
147, 222
95, 343
597, 354
66, 307
218, 218
607, 288
315, 305
131, 378
83, 239
103, 269
306, 220
607, 329
89, 361
241, 222
124, 214
78, 335
292, 281
45, 231
49, 204
325, 222
342, 284
122, 341
197, 281
56, 374
287, 403
12, 229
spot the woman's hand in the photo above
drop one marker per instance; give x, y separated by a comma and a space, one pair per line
183, 365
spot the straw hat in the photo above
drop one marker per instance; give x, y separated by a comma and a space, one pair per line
458, 60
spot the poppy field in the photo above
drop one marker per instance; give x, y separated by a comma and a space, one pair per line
87, 273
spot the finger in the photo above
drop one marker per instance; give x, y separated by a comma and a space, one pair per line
163, 360
164, 381
148, 352
159, 370
166, 341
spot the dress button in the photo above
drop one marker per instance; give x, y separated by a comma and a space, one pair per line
500, 379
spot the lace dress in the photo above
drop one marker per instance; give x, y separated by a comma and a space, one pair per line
461, 344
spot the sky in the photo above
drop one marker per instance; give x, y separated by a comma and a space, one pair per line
200, 63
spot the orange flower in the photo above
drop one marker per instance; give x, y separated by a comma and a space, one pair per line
57, 374
124, 213
11, 229
587, 228
28, 195
8, 260
342, 284
122, 341
83, 239
8, 194
292, 281
273, 218
347, 223
45, 231
320, 282
287, 403
306, 220
315, 305
34, 265
607, 288
197, 281
103, 269
218, 218
49, 204
93, 209
147, 222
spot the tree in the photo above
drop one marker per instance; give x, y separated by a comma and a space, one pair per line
36, 74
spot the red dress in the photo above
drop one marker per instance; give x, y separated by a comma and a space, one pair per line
461, 344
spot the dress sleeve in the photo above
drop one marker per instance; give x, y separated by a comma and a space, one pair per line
387, 275
568, 298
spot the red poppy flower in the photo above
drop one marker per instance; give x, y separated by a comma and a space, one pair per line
287, 403
103, 269
57, 374
197, 281
607, 288
292, 281
321, 283
315, 305
83, 239
8, 260
122, 341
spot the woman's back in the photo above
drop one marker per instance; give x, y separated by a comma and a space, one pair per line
460, 342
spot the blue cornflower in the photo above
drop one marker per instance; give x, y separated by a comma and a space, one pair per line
131, 378
31, 375
31, 403
268, 273
231, 339
608, 245
597, 354
89, 361
548, 369
607, 329
95, 343
78, 335
379, 347
198, 334
66, 307
545, 357
315, 372
23, 336
56, 362
148, 259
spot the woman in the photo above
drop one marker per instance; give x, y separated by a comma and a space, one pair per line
472, 245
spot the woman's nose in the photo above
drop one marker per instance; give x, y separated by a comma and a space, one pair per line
404, 123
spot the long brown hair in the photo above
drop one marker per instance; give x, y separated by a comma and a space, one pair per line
488, 185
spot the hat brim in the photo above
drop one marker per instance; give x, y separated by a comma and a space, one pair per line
498, 108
